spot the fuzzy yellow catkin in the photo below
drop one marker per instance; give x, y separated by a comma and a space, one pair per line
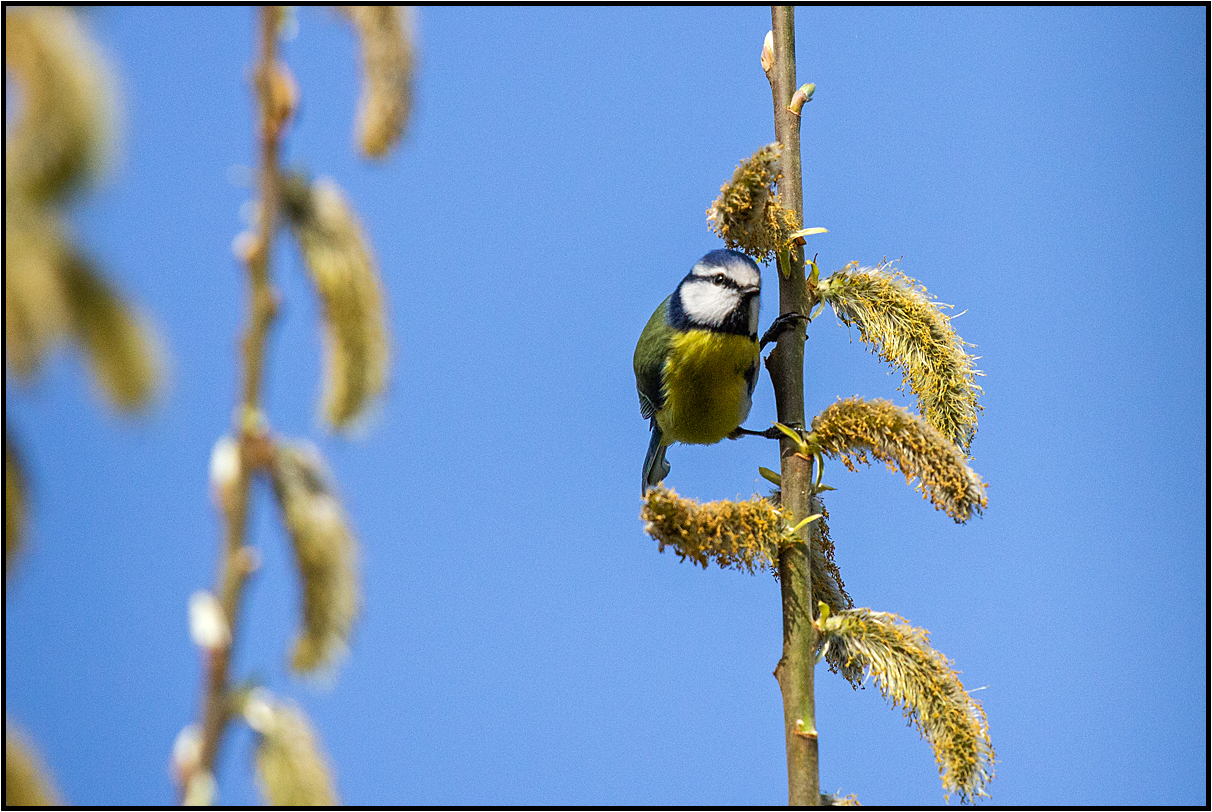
291, 768
739, 535
36, 314
748, 214
123, 353
853, 428
61, 139
26, 781
920, 680
385, 33
906, 327
325, 552
14, 501
52, 293
339, 260
63, 132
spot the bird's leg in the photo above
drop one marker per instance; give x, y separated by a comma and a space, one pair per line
781, 325
740, 431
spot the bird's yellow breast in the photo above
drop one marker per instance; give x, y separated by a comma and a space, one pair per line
706, 394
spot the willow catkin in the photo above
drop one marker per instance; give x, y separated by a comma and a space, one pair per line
14, 501
36, 314
123, 352
63, 133
325, 552
920, 680
385, 33
748, 215
906, 327
854, 428
291, 768
346, 278
27, 782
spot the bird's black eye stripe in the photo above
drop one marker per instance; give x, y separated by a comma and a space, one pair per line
722, 279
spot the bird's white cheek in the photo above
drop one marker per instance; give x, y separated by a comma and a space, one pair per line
708, 304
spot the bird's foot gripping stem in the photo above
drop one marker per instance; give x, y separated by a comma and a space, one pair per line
781, 325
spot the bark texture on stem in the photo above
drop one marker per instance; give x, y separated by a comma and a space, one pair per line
786, 366
237, 562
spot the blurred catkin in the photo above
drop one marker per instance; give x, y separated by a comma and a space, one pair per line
61, 140
906, 327
920, 680
326, 554
35, 302
853, 428
26, 780
386, 34
123, 353
64, 129
338, 257
14, 501
292, 770
748, 214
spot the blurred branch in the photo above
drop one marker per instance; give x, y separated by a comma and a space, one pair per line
275, 99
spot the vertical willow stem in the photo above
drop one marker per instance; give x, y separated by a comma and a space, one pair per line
236, 561
786, 366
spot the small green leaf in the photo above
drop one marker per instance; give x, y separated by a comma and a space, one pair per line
807, 232
801, 446
805, 521
784, 262
815, 275
770, 476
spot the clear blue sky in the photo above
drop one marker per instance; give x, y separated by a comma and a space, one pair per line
523, 641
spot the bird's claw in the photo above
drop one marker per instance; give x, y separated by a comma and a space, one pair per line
782, 324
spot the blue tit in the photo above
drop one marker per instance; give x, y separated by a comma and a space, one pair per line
697, 360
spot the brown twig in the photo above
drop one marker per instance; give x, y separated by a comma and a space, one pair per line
786, 366
273, 94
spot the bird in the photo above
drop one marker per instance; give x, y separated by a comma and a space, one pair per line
697, 359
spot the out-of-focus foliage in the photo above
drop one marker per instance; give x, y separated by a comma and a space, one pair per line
14, 501
325, 551
339, 260
59, 143
386, 35
292, 770
26, 780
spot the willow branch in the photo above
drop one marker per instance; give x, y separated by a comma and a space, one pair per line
236, 561
786, 366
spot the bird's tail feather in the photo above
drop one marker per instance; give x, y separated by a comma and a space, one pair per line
656, 468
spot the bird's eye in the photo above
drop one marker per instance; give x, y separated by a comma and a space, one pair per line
721, 278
